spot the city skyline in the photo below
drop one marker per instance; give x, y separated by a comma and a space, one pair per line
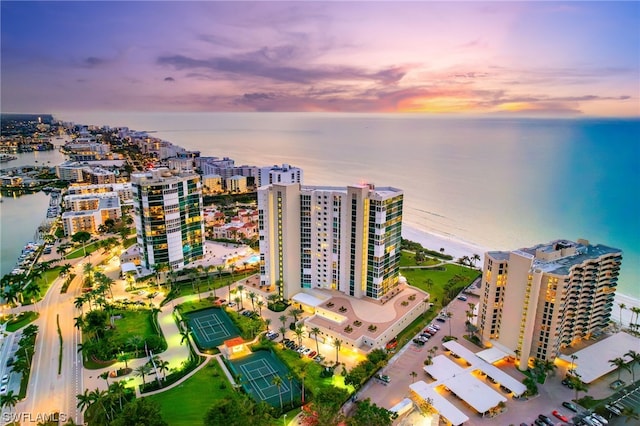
524, 58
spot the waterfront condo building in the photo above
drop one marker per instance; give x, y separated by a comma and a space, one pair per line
535, 301
315, 237
168, 217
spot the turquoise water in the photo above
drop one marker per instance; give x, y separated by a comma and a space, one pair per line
254, 259
500, 183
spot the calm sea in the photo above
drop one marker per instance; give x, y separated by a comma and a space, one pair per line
502, 183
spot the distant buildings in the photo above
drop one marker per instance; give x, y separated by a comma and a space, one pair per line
535, 301
277, 174
124, 190
95, 172
314, 237
168, 217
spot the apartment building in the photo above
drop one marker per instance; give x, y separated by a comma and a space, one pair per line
123, 190
168, 217
535, 301
86, 212
279, 174
314, 237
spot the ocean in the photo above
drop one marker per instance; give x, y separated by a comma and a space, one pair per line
500, 183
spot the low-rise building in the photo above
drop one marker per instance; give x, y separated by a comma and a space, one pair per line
86, 212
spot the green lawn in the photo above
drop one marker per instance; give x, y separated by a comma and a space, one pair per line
23, 319
207, 286
80, 252
440, 278
187, 403
409, 259
133, 323
44, 283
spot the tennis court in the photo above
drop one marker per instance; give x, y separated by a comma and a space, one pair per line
257, 372
211, 327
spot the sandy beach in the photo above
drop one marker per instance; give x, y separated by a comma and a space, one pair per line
458, 248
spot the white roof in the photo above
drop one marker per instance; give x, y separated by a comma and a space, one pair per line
475, 393
444, 407
128, 267
443, 368
492, 355
307, 299
593, 361
492, 371
400, 408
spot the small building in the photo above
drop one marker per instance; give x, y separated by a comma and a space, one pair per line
235, 348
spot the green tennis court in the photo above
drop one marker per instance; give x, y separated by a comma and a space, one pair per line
211, 327
257, 372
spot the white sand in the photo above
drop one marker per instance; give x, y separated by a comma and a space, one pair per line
455, 248
458, 248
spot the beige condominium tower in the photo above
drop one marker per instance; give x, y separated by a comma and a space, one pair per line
535, 301
316, 237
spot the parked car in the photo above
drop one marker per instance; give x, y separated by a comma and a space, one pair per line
560, 416
5, 378
545, 419
384, 378
436, 326
599, 418
570, 405
567, 383
312, 354
418, 342
613, 409
441, 319
463, 298
3, 389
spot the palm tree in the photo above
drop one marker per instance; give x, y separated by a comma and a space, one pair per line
118, 389
413, 375
630, 413
277, 381
163, 366
282, 331
429, 283
315, 331
185, 336
303, 374
283, 319
105, 377
84, 400
299, 332
240, 289
619, 364
252, 297
237, 300
290, 378
260, 305
573, 362
634, 359
474, 258
337, 343
232, 268
450, 315
65, 269
79, 322
267, 323
9, 400
97, 396
622, 307
124, 357
142, 371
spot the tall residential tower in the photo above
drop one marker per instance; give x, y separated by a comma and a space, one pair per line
345, 239
535, 301
168, 217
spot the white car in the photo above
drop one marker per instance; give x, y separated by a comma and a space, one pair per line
5, 378
3, 389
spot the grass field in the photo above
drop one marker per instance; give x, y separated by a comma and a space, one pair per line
44, 283
133, 323
80, 252
186, 404
24, 319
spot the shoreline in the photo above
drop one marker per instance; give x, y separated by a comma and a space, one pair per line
458, 248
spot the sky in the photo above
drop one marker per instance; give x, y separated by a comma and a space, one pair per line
507, 57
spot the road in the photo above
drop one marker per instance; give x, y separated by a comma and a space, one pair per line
51, 390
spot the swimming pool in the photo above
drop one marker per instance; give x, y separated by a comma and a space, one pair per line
253, 259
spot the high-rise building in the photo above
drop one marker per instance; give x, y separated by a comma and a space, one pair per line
279, 174
346, 239
168, 217
535, 301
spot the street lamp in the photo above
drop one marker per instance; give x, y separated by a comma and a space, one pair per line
284, 419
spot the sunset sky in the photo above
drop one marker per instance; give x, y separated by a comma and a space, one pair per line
507, 57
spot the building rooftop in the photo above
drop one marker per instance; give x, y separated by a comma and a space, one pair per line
578, 253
